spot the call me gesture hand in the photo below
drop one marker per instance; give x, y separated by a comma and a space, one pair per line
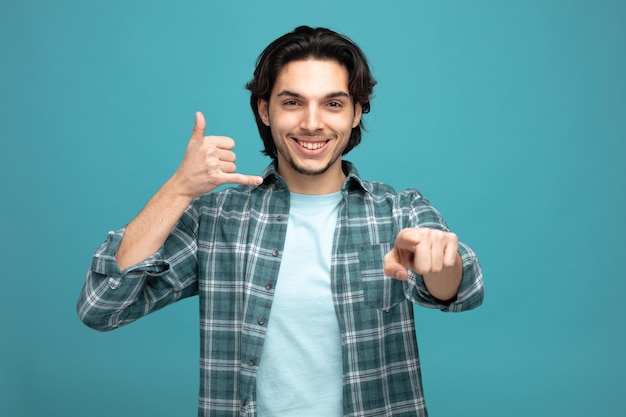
208, 163
430, 253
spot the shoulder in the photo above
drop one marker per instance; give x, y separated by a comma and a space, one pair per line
381, 191
409, 206
377, 190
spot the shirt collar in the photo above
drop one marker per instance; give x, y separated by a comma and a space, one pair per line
353, 179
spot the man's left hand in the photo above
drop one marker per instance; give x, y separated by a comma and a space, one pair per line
425, 251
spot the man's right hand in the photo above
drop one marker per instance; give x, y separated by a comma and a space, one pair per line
209, 162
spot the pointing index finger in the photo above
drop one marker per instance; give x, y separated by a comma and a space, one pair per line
407, 239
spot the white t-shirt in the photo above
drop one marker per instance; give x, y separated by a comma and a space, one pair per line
300, 372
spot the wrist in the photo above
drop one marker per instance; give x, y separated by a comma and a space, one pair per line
180, 189
175, 193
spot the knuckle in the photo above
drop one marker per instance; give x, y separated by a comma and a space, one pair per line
209, 150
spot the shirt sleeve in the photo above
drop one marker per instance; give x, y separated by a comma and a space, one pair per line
471, 291
111, 298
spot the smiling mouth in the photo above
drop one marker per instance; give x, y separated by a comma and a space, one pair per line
312, 146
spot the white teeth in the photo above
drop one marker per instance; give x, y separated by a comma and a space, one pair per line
311, 145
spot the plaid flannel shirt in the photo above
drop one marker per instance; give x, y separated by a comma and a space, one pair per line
227, 247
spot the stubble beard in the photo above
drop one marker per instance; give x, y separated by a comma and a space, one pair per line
307, 171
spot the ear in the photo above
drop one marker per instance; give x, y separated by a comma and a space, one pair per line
358, 112
262, 108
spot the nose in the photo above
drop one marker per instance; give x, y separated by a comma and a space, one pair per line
311, 119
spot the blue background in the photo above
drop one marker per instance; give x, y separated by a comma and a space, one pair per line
509, 116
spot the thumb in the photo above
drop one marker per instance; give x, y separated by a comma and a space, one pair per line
198, 128
392, 265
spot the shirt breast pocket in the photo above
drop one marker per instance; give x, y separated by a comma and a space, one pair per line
379, 290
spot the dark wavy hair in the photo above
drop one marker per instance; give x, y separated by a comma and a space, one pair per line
304, 43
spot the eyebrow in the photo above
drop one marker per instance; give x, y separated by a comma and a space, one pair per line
337, 94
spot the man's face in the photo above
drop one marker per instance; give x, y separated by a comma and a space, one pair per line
311, 115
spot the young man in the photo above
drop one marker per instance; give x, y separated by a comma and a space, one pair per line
307, 274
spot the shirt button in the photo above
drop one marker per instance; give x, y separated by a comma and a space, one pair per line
280, 218
261, 321
251, 362
268, 286
274, 253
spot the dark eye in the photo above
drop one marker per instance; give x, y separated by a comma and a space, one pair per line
290, 103
335, 104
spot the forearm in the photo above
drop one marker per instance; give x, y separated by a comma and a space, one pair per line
111, 297
149, 230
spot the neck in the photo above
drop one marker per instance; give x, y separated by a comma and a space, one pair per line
327, 182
